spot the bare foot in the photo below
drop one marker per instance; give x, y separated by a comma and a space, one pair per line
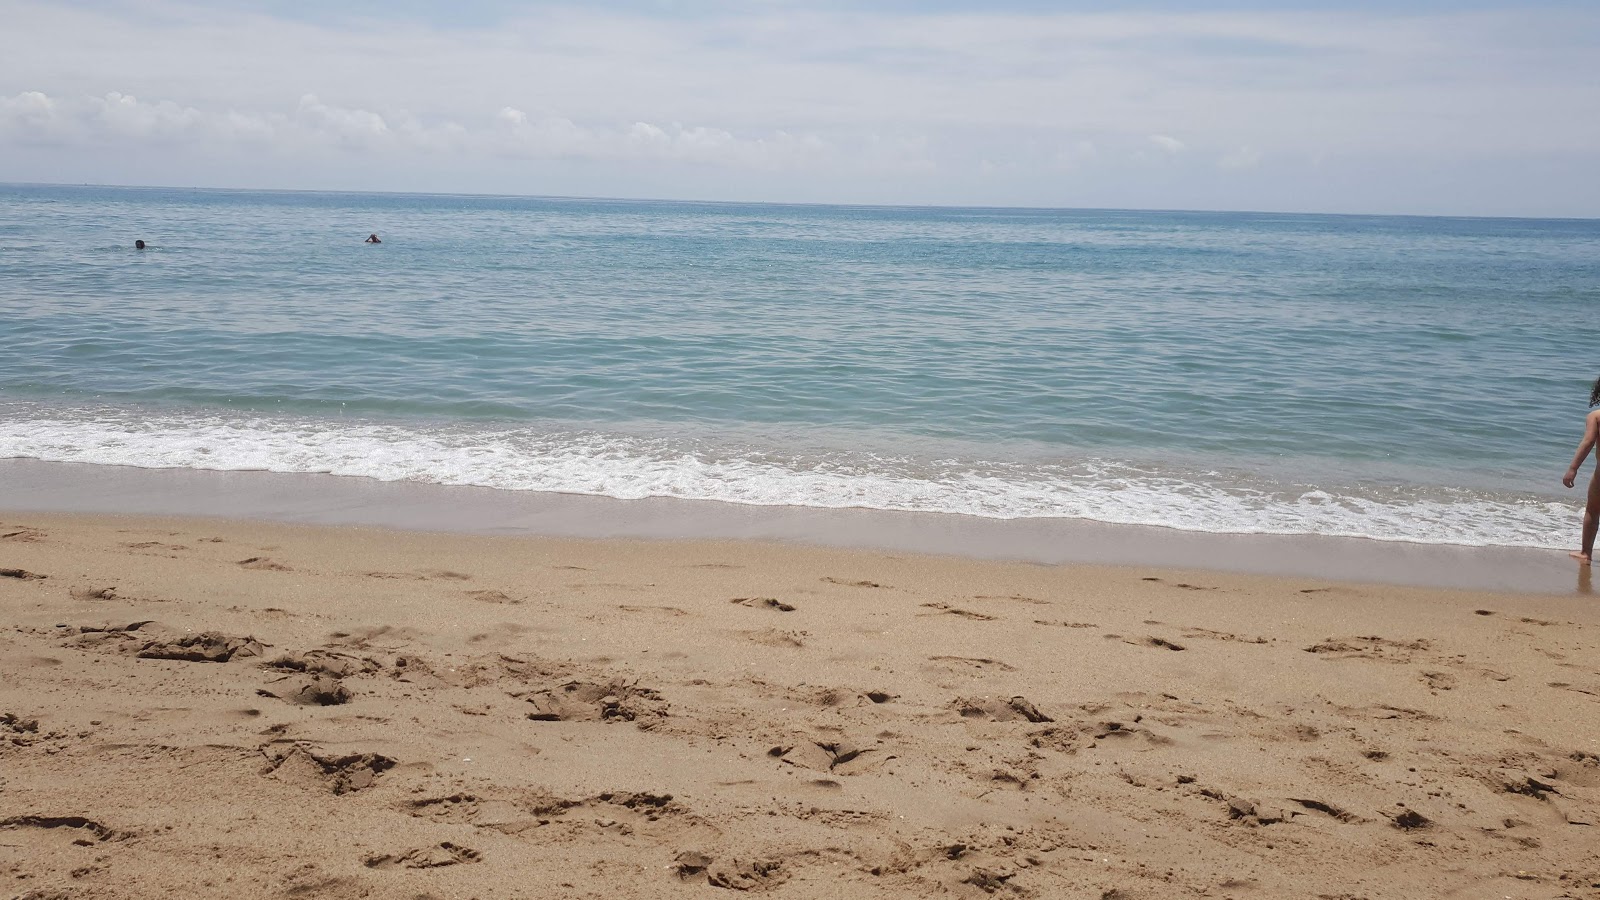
1580, 556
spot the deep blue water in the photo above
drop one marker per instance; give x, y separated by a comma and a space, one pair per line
1399, 378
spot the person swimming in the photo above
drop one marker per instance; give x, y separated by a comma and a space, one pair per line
138, 245
372, 239
1591, 507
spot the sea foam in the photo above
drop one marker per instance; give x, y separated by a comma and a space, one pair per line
623, 466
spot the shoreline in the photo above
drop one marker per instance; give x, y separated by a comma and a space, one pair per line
51, 487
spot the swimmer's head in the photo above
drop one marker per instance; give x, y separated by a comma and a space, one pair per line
139, 245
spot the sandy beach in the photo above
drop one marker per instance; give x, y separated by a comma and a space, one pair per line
209, 707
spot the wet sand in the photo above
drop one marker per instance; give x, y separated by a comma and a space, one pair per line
217, 707
34, 486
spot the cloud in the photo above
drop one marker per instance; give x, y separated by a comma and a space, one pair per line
123, 115
357, 128
828, 101
1168, 144
30, 117
26, 108
312, 123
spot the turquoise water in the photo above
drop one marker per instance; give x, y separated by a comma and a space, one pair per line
1395, 378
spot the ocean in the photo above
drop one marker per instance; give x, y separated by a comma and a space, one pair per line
1391, 378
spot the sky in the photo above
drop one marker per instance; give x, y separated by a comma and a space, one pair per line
1427, 107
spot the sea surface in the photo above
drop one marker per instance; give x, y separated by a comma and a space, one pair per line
1400, 379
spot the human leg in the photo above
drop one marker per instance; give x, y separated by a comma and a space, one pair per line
1591, 520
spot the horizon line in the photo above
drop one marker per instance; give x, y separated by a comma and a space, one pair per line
813, 203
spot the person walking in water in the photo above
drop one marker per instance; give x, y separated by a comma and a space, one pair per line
1591, 508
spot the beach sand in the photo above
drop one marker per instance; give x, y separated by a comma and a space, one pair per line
195, 707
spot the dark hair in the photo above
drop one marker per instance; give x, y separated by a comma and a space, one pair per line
1594, 394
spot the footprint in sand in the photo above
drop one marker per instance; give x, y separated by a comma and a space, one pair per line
834, 698
620, 812
587, 701
1017, 597
442, 854
21, 732
153, 545
972, 662
1385, 711
747, 875
772, 603
1065, 624
835, 755
1132, 732
325, 662
1439, 681
1194, 633
364, 638
996, 710
308, 690
422, 575
336, 773
263, 563
773, 637
666, 610
460, 808
1178, 584
865, 584
1327, 809
1370, 647
208, 646
81, 824
945, 609
21, 575
148, 640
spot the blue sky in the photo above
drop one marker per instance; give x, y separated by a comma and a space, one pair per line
1470, 108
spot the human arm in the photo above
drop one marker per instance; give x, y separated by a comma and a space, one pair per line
1591, 430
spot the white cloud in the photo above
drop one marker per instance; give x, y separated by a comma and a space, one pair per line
1167, 144
123, 115
313, 123
358, 128
30, 117
26, 108
246, 128
817, 102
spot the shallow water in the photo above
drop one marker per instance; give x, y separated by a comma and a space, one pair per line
1393, 378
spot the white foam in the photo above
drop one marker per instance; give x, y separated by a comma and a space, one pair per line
632, 467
